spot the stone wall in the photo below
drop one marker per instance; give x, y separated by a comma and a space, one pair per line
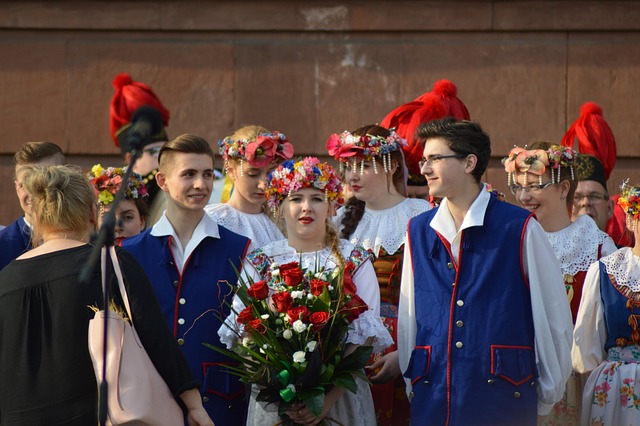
311, 68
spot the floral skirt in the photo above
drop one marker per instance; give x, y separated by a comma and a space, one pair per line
390, 399
609, 394
566, 412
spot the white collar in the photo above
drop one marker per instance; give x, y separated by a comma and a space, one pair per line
443, 223
207, 227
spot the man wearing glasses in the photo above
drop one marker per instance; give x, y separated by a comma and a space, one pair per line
484, 329
591, 196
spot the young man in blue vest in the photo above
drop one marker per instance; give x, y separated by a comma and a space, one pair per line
484, 328
190, 262
15, 239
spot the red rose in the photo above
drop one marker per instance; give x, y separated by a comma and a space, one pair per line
354, 307
291, 274
259, 290
257, 325
282, 301
318, 320
316, 286
298, 313
245, 316
348, 286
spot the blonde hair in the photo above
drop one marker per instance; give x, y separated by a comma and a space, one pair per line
61, 198
244, 133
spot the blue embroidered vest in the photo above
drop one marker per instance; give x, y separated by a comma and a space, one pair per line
474, 360
194, 305
616, 313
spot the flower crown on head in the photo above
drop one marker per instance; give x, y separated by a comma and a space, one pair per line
292, 176
536, 161
106, 183
348, 147
258, 152
630, 199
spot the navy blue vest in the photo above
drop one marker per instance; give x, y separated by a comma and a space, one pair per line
195, 305
15, 239
474, 360
616, 313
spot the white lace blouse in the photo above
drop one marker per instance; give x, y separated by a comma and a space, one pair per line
576, 246
385, 228
367, 325
259, 228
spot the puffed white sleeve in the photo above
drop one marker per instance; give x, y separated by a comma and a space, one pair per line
590, 333
231, 329
407, 328
551, 317
369, 323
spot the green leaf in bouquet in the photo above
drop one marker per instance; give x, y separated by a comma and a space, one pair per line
315, 402
356, 359
345, 380
326, 373
269, 395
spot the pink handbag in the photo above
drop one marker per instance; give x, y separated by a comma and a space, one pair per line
137, 394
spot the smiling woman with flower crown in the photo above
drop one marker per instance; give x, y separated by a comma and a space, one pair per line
302, 195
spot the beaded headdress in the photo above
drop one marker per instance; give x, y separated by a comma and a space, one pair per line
630, 199
536, 162
292, 176
348, 147
106, 183
264, 149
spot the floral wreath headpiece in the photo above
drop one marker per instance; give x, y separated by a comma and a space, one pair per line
536, 161
630, 199
106, 183
258, 152
292, 176
348, 147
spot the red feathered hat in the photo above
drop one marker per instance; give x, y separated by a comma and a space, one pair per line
441, 102
594, 136
131, 95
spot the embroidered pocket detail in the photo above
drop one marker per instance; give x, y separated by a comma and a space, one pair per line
218, 381
515, 364
419, 364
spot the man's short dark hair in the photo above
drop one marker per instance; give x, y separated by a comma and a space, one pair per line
462, 137
185, 144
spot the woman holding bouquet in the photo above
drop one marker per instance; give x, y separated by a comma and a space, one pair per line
303, 195
376, 217
250, 154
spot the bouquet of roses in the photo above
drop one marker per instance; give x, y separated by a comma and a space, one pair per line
292, 340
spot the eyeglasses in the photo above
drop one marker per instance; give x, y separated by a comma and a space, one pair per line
594, 197
435, 158
529, 189
154, 150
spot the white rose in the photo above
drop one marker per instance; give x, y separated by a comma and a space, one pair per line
299, 326
287, 334
310, 296
275, 272
265, 316
311, 346
299, 357
274, 265
246, 341
297, 294
330, 287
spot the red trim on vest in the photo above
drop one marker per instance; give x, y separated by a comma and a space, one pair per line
522, 239
228, 397
426, 370
447, 245
507, 378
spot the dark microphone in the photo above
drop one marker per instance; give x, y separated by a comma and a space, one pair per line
145, 122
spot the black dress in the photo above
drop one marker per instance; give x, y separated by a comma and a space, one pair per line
46, 374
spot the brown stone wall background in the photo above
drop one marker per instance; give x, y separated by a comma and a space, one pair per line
311, 68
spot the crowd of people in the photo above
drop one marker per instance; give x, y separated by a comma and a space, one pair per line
481, 310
